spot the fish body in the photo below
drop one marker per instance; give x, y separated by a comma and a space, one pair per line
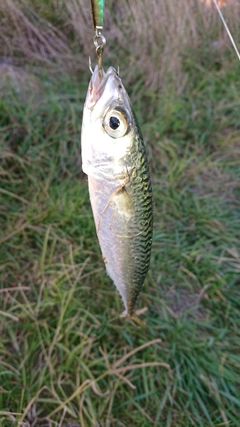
115, 161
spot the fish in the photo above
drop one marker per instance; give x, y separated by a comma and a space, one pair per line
114, 158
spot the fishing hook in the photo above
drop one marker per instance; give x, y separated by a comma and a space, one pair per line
99, 43
90, 64
99, 40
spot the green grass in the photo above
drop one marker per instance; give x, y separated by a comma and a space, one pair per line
67, 359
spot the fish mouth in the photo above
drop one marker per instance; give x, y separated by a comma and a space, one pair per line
97, 85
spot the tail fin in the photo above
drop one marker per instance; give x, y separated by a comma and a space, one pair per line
135, 317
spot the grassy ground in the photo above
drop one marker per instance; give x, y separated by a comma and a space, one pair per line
66, 358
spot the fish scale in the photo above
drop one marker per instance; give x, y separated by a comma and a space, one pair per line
140, 191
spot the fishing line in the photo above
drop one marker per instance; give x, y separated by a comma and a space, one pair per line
227, 29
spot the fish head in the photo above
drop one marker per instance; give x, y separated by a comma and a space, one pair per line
107, 128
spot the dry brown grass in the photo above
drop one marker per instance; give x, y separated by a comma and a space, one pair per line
154, 36
25, 34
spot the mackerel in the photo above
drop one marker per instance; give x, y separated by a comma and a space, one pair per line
114, 158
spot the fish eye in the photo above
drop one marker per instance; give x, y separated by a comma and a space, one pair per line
116, 123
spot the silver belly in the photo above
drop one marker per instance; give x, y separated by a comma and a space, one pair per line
113, 212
